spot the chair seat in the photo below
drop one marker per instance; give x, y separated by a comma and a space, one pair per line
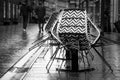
75, 40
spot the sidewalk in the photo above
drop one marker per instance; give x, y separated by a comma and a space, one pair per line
14, 43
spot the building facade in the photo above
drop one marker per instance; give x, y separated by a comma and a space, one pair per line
104, 13
9, 11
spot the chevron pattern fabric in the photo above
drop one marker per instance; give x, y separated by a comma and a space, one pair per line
74, 14
73, 21
73, 28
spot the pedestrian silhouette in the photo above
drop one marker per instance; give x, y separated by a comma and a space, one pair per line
40, 11
25, 11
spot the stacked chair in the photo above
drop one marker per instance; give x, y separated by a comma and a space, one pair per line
47, 36
71, 31
73, 34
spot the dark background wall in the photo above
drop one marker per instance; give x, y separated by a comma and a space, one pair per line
9, 10
105, 15
1, 10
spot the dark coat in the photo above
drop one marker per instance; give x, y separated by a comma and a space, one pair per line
40, 11
25, 10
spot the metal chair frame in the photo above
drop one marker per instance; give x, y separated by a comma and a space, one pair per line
54, 31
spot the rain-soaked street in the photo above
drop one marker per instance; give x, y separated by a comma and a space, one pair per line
14, 43
80, 40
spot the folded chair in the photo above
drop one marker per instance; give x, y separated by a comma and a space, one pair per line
76, 34
71, 31
47, 28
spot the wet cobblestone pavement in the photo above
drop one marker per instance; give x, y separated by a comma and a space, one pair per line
14, 43
101, 72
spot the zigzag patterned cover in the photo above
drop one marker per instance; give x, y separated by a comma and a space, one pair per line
72, 29
73, 21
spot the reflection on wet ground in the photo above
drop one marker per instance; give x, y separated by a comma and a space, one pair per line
14, 43
101, 72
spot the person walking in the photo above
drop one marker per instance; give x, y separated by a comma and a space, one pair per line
40, 11
25, 11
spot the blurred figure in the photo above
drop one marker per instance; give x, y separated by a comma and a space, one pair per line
25, 11
40, 11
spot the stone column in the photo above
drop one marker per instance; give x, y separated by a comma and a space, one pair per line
113, 13
2, 11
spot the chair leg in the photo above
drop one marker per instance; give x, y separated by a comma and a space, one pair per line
83, 59
36, 45
60, 53
47, 51
48, 66
87, 61
84, 56
104, 60
91, 55
62, 60
88, 52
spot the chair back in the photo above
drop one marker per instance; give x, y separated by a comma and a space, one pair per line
71, 29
